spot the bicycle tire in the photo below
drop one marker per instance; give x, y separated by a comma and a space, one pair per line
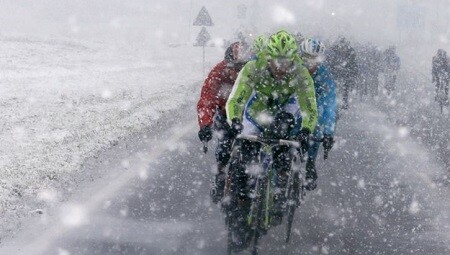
258, 203
231, 209
292, 202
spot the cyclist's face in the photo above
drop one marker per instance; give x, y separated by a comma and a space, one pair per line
281, 66
312, 62
241, 53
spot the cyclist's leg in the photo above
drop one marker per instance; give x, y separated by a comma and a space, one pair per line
249, 153
281, 128
221, 127
287, 125
223, 150
311, 172
437, 88
446, 92
345, 94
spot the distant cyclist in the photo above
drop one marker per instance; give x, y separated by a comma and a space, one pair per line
342, 63
259, 101
391, 68
440, 73
211, 108
312, 53
259, 45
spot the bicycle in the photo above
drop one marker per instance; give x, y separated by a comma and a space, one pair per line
249, 217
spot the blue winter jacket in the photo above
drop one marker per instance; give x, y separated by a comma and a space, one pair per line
326, 101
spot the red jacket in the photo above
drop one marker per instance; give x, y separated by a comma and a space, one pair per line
215, 91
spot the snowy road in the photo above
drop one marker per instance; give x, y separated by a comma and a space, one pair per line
377, 199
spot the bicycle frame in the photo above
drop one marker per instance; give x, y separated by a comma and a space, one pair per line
256, 212
266, 161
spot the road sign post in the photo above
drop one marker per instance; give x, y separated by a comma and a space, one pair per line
202, 40
203, 19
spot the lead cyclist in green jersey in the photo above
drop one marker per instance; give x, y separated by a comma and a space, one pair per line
259, 103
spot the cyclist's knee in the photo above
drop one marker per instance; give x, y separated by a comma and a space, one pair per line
250, 151
281, 158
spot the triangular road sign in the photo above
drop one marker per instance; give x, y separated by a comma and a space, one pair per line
203, 18
202, 38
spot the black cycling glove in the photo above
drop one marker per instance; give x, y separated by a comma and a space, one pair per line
205, 134
236, 127
328, 142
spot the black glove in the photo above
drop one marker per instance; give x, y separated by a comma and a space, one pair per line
236, 127
205, 134
303, 139
328, 142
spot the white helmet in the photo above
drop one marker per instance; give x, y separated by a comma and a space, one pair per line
312, 48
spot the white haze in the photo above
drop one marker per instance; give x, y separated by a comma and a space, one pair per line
95, 55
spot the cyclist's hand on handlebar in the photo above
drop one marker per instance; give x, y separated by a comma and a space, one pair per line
205, 134
236, 127
328, 142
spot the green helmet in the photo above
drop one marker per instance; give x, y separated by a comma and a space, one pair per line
260, 43
282, 44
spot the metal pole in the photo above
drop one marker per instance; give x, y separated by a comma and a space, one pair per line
190, 23
203, 60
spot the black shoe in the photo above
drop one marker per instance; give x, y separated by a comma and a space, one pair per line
218, 188
310, 176
311, 184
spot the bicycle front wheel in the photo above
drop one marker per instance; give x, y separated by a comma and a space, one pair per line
292, 202
255, 217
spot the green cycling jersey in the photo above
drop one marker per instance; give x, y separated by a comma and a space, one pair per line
270, 95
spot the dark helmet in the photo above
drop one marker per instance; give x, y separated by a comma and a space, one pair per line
441, 52
237, 53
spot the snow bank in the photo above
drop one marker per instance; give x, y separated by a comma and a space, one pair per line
64, 101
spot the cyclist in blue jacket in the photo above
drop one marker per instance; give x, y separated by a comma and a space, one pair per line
312, 53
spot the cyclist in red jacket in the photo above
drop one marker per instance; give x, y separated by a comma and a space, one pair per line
211, 108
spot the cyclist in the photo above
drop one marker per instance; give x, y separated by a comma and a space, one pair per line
342, 63
440, 73
369, 59
258, 105
259, 45
391, 68
312, 52
211, 108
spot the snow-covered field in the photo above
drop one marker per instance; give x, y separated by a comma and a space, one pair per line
64, 101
